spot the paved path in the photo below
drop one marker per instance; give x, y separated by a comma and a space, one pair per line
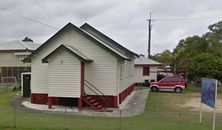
132, 106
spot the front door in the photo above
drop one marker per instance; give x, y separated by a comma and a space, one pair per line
26, 85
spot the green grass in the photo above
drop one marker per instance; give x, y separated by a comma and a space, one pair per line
161, 113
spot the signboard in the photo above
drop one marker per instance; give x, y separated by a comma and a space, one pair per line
209, 96
208, 92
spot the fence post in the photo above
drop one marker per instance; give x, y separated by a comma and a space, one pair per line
66, 119
120, 119
14, 116
179, 120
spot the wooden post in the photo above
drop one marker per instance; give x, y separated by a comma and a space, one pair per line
82, 79
14, 111
50, 102
120, 119
80, 104
82, 76
66, 119
115, 105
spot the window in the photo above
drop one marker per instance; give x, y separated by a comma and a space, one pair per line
128, 64
121, 71
128, 68
146, 71
167, 79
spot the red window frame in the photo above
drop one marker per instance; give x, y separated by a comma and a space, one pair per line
146, 71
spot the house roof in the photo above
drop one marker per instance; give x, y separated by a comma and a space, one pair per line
18, 45
104, 44
146, 61
75, 52
86, 26
83, 33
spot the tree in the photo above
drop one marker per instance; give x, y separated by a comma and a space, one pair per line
166, 57
216, 27
197, 55
187, 48
214, 37
179, 59
205, 65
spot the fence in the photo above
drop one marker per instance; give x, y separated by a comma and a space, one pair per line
8, 87
14, 116
19, 118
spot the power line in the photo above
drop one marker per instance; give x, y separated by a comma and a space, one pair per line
30, 19
187, 19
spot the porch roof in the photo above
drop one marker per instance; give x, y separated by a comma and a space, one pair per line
75, 52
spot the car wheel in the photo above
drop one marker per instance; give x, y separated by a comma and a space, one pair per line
154, 89
178, 90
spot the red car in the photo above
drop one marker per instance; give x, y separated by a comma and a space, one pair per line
175, 83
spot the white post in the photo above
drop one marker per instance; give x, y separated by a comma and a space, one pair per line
201, 105
214, 117
214, 114
200, 112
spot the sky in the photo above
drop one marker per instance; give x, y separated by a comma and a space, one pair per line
125, 21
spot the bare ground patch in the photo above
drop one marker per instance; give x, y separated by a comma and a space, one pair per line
192, 103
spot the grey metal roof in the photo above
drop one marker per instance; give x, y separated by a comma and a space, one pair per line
19, 45
145, 61
75, 52
100, 35
85, 34
104, 44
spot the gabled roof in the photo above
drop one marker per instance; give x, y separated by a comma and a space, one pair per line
104, 44
83, 33
18, 45
75, 52
87, 26
146, 61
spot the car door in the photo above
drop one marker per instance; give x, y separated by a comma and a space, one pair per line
164, 83
174, 81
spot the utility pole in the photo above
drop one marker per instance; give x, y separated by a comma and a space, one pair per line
149, 34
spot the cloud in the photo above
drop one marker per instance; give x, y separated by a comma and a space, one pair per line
124, 21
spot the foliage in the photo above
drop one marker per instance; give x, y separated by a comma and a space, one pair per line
165, 57
205, 65
196, 50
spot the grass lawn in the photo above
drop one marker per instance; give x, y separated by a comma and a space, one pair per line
161, 113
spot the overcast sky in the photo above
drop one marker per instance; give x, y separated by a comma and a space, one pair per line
122, 20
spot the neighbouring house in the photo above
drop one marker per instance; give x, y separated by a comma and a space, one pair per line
80, 66
145, 70
11, 55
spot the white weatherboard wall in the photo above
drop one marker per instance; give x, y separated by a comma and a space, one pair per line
64, 75
138, 74
9, 59
39, 82
101, 72
126, 74
153, 73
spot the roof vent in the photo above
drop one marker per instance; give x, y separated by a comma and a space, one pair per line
141, 55
27, 39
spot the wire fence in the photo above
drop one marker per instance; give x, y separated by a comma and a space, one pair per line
8, 87
15, 116
18, 118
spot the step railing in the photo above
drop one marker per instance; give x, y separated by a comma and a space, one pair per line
96, 91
